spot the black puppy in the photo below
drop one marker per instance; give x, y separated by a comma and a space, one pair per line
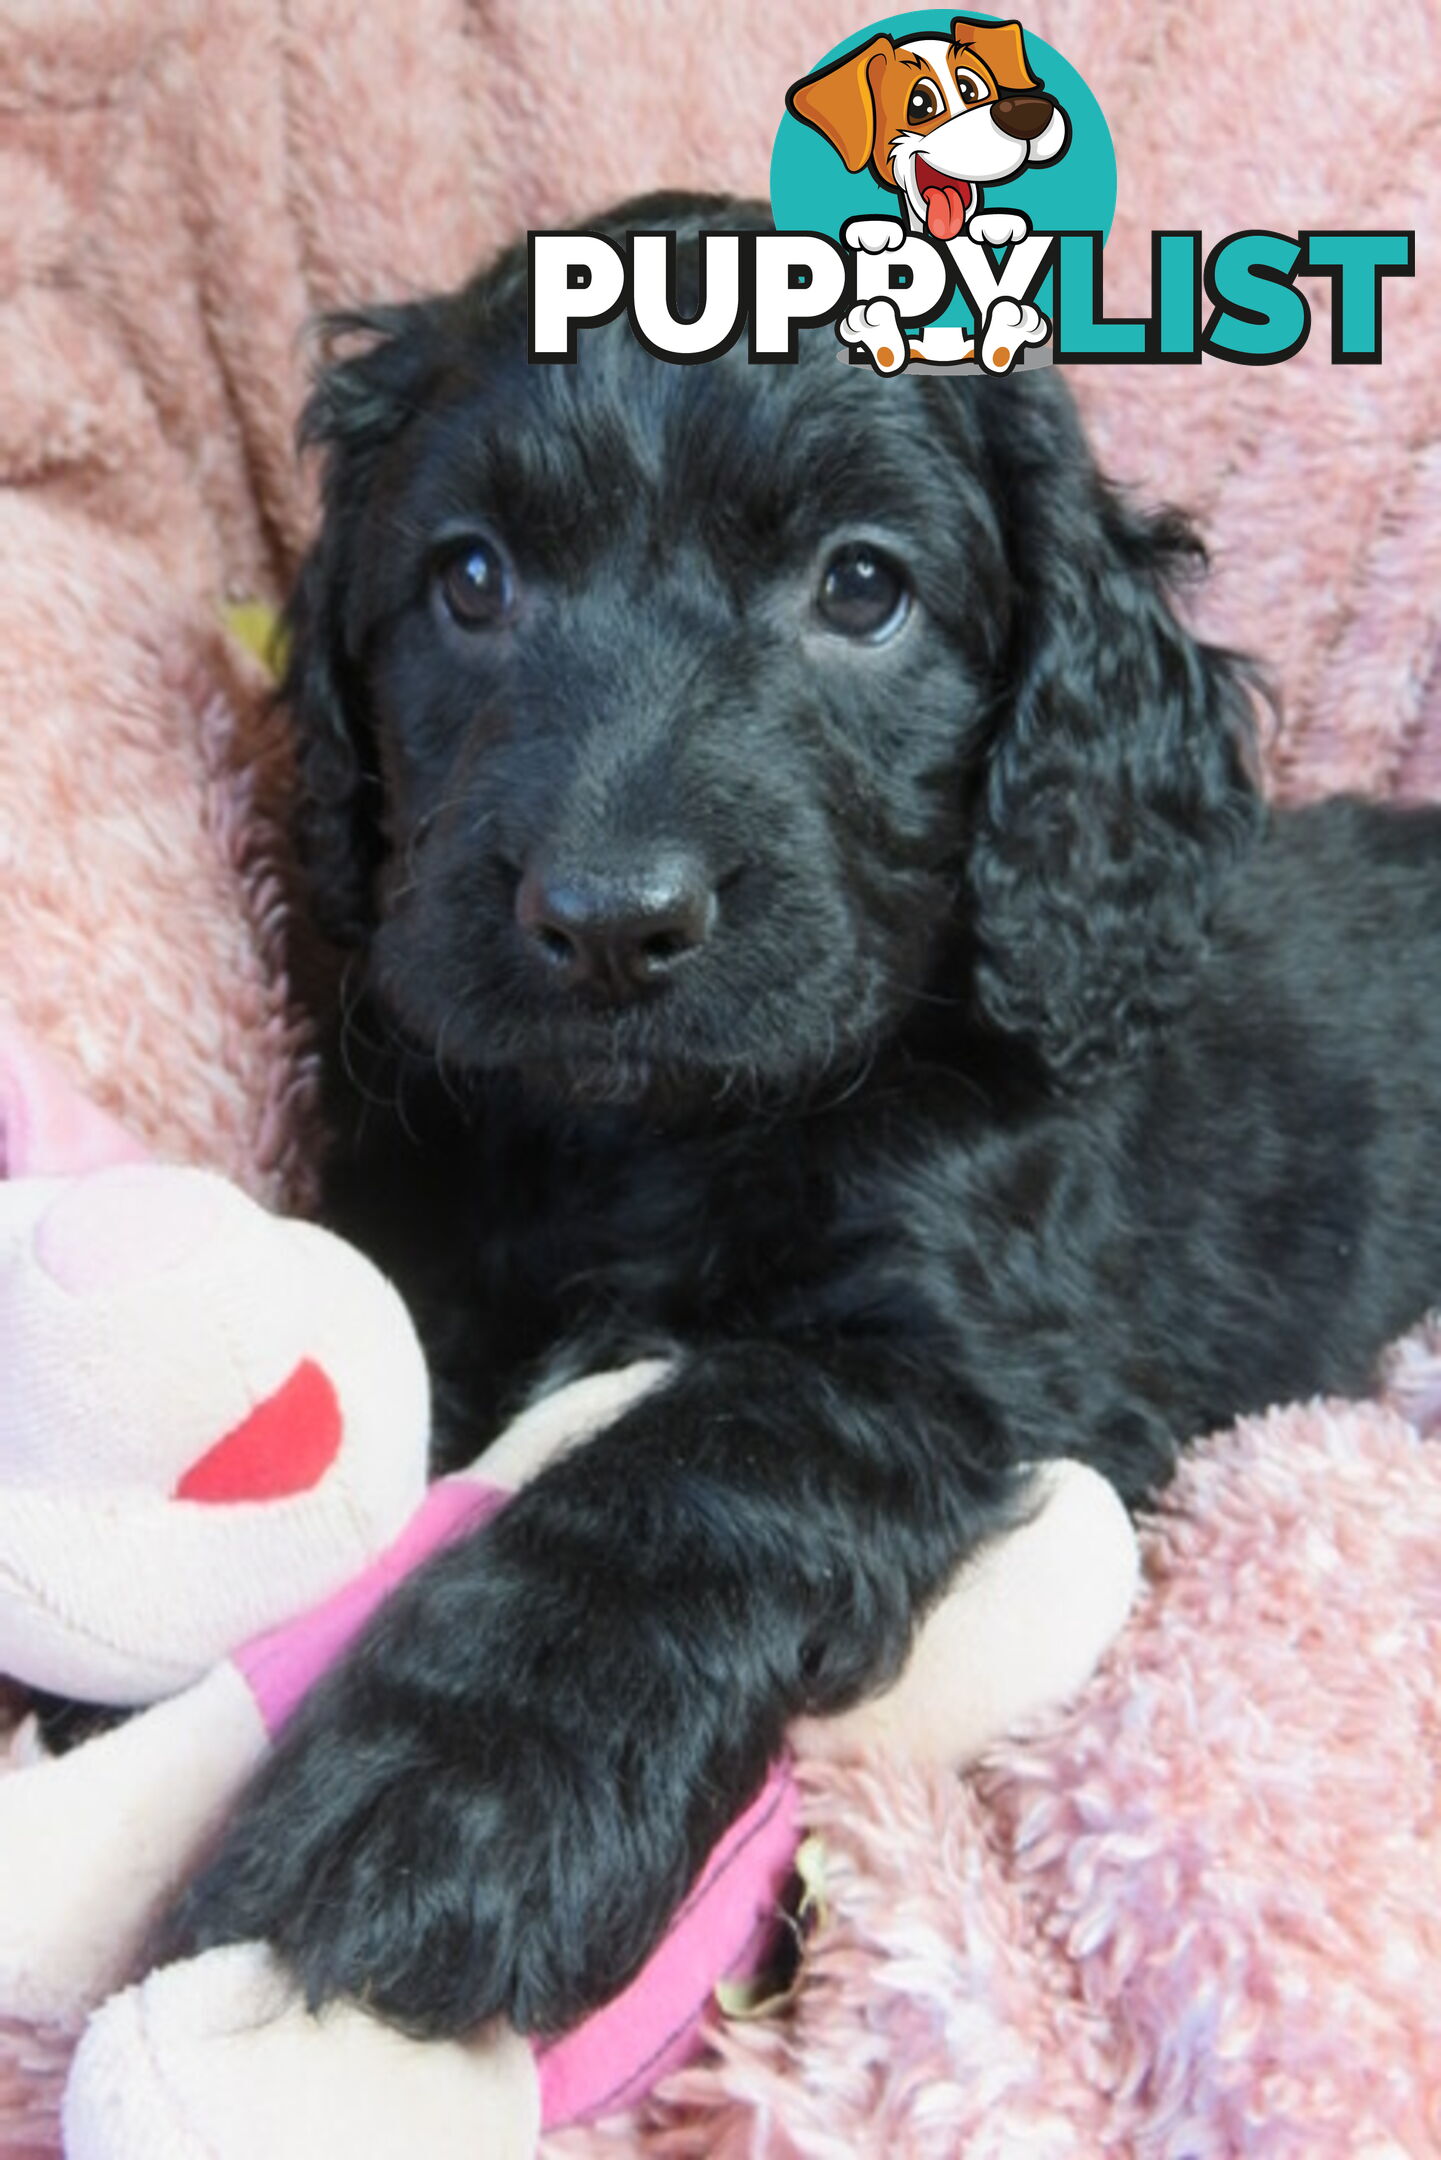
815, 917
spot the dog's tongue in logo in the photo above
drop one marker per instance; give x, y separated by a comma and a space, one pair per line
946, 200
946, 211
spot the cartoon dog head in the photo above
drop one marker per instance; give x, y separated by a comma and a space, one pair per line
936, 119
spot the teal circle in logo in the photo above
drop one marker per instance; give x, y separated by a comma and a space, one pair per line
811, 190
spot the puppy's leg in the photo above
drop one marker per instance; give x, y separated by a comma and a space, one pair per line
497, 1803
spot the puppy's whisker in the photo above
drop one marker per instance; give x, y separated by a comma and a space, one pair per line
426, 824
378, 1049
857, 1080
446, 1078
349, 1038
912, 994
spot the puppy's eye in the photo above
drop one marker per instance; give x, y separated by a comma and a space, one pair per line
972, 89
475, 586
924, 104
863, 594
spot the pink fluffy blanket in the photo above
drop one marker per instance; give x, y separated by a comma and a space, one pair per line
1192, 1915
1196, 1914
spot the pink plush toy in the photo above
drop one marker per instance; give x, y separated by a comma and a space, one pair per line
212, 1445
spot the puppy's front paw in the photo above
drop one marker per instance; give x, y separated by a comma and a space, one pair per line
873, 235
876, 325
998, 228
438, 1870
1011, 326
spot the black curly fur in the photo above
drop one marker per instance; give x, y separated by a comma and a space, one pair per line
1038, 1091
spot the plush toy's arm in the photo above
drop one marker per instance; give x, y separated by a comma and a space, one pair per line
94, 1842
1023, 1627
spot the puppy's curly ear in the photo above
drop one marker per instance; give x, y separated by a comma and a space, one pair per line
1119, 788
359, 404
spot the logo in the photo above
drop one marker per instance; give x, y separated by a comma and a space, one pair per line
942, 187
936, 119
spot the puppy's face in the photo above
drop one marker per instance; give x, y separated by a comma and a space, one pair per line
645, 707
671, 672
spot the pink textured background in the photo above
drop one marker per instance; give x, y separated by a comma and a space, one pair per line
181, 182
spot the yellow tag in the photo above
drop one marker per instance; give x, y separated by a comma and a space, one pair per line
755, 1998
774, 1985
256, 625
812, 1911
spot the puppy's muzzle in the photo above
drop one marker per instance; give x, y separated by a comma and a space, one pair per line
618, 934
1023, 117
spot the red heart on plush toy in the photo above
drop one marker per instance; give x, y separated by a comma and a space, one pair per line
284, 1446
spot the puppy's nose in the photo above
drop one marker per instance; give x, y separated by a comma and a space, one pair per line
1023, 117
617, 932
